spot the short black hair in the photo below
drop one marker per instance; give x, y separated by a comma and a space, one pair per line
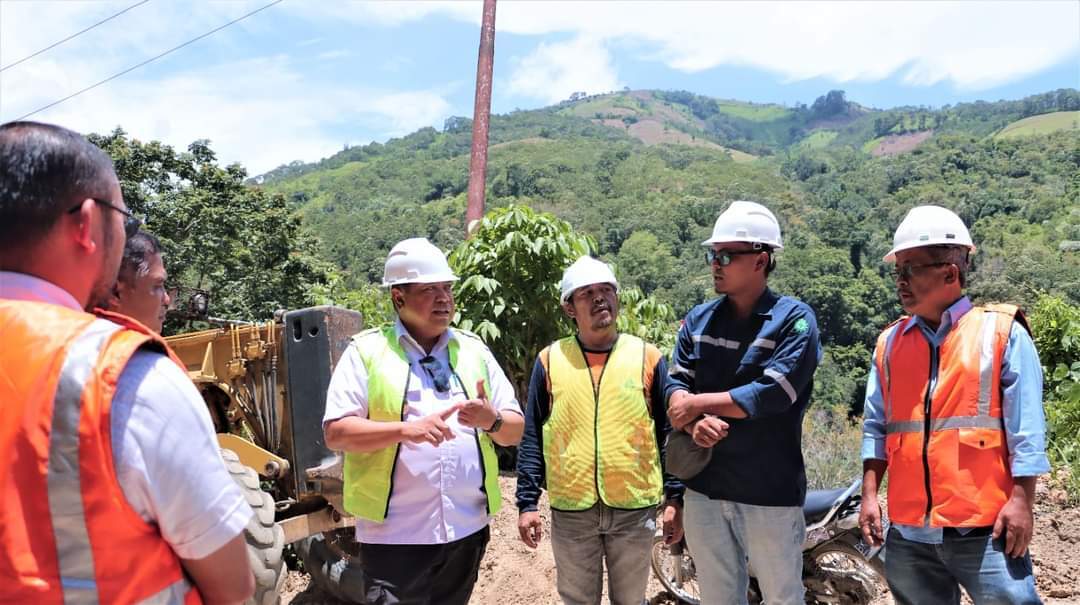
137, 252
43, 170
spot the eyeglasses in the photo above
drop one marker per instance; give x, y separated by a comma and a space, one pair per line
438, 373
131, 222
724, 257
908, 271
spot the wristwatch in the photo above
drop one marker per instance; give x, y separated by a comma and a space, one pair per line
495, 426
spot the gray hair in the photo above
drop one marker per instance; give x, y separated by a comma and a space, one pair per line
956, 255
137, 253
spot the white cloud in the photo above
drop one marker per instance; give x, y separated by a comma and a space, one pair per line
553, 72
972, 45
262, 112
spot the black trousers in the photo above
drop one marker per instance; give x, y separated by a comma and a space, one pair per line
423, 574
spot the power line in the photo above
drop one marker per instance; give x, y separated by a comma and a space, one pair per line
75, 35
150, 60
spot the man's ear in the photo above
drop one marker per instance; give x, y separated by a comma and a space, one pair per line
81, 227
568, 309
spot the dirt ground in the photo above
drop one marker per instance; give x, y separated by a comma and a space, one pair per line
512, 574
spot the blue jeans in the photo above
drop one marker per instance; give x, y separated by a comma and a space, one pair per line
933, 573
583, 540
724, 535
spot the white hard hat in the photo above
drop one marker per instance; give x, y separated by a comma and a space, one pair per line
746, 222
929, 226
416, 261
586, 271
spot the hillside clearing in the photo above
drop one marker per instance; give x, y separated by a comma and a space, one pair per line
1041, 124
896, 144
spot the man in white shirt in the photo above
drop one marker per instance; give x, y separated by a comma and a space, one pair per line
62, 232
417, 408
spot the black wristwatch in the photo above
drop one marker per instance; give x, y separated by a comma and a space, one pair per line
495, 426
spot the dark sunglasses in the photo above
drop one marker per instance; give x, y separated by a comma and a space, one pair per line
439, 373
724, 257
908, 271
131, 222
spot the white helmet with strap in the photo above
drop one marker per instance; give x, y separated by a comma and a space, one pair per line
746, 222
930, 226
416, 261
585, 271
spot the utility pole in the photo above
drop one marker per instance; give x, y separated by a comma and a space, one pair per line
481, 117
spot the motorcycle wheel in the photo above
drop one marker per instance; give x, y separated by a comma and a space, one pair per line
676, 572
838, 573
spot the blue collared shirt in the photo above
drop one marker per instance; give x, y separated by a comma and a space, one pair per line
766, 362
1021, 405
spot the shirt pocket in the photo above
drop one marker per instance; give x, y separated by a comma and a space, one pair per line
754, 360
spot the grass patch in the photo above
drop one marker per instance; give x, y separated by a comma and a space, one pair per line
872, 144
831, 449
818, 139
1042, 124
754, 113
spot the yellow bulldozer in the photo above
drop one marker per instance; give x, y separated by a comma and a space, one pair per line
265, 385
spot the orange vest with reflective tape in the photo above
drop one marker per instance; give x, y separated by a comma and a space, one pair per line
67, 533
948, 460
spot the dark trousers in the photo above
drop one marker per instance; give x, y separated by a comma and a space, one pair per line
423, 574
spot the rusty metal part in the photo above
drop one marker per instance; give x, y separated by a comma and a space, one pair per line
302, 526
264, 462
481, 117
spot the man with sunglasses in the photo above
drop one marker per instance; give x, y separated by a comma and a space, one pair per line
954, 414
740, 381
140, 291
115, 490
418, 407
593, 436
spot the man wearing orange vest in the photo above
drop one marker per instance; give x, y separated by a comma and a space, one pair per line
113, 489
954, 413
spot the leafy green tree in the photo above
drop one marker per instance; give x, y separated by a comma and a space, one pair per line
1055, 324
508, 294
646, 263
243, 245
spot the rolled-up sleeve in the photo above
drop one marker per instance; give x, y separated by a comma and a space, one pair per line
787, 373
683, 364
873, 440
1022, 405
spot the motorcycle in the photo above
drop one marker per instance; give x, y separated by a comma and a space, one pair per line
838, 565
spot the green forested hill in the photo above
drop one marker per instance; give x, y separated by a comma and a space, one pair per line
649, 196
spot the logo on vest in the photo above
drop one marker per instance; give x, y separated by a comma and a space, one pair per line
801, 326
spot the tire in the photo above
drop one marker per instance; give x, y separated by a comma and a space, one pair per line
265, 539
664, 566
839, 573
333, 562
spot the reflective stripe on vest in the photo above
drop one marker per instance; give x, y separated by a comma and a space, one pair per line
369, 475
600, 440
946, 448
65, 485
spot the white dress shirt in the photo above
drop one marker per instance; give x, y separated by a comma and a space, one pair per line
437, 495
164, 449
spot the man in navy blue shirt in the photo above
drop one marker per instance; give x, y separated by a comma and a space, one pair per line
740, 381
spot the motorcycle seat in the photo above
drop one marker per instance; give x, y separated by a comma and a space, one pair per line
818, 502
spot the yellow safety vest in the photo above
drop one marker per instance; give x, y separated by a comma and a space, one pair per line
369, 475
600, 442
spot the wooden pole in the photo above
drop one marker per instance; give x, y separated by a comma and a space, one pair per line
481, 117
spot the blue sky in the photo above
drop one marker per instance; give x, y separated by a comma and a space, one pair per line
301, 79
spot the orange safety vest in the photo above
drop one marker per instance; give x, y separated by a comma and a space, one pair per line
948, 459
67, 533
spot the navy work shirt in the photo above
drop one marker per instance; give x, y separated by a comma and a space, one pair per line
767, 364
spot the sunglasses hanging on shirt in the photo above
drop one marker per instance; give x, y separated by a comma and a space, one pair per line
438, 373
